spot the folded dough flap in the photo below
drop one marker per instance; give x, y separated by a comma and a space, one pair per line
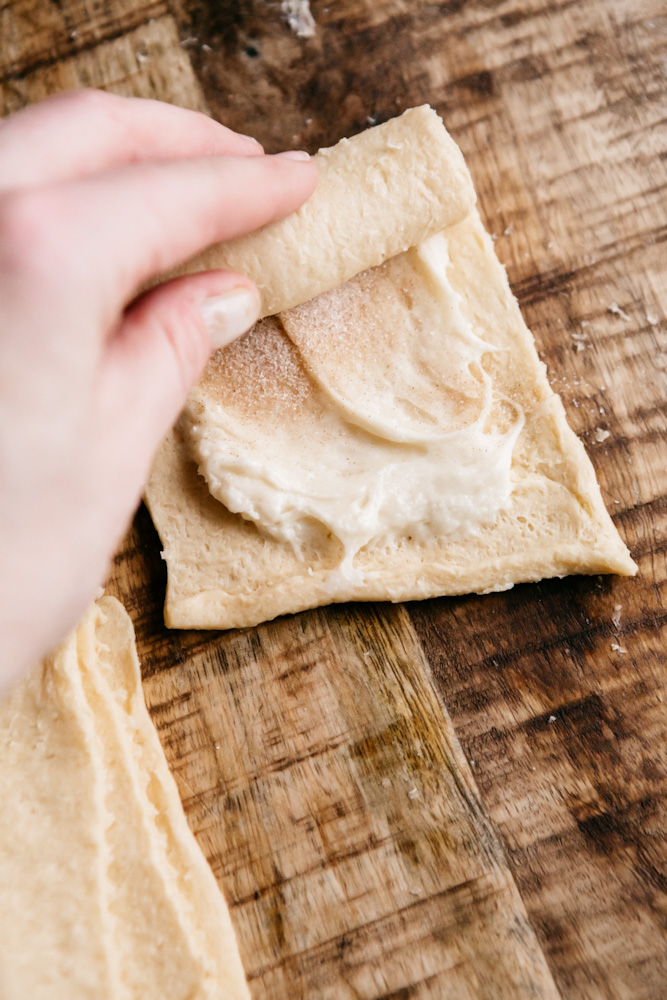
378, 193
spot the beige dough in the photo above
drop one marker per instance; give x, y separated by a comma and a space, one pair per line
375, 367
377, 194
105, 892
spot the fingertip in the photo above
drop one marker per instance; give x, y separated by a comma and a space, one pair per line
299, 163
237, 144
292, 181
254, 145
306, 166
294, 154
176, 326
230, 314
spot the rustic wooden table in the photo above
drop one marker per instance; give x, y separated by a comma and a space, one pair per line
465, 797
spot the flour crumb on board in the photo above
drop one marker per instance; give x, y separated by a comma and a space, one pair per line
651, 319
580, 341
413, 793
601, 435
615, 648
552, 718
299, 18
617, 311
616, 616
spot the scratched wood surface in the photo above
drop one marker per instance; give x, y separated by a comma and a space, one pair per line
465, 797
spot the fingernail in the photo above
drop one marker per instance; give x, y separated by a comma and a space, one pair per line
228, 316
294, 154
249, 138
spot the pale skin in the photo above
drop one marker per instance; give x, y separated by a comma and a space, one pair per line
98, 196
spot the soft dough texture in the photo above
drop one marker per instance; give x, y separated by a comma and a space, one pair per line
105, 893
224, 572
377, 194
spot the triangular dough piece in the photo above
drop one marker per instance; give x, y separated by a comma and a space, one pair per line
105, 891
394, 438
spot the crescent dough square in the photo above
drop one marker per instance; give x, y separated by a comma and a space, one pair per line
223, 573
105, 891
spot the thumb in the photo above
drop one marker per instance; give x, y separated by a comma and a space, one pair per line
162, 344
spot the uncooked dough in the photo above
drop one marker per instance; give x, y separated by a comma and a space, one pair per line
377, 194
356, 452
105, 893
393, 438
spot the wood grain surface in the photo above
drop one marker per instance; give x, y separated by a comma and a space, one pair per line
319, 757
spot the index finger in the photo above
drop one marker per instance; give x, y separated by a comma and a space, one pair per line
112, 232
79, 132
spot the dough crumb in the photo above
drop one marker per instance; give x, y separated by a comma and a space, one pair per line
299, 17
601, 435
617, 311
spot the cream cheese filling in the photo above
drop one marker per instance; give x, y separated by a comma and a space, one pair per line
404, 439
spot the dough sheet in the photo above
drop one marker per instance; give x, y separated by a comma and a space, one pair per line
249, 492
106, 893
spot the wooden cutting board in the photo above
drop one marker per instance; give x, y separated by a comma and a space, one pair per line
463, 798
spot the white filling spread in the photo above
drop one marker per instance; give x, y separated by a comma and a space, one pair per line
373, 458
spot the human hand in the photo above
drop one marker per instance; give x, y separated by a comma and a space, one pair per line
98, 195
